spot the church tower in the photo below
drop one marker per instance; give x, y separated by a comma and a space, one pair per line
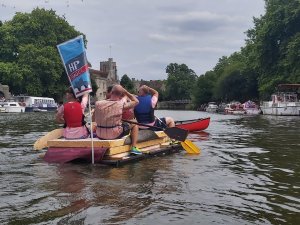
110, 67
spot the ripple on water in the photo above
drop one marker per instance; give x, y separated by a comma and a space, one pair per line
247, 173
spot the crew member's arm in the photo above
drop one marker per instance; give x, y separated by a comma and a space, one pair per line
133, 100
59, 117
152, 91
84, 101
154, 95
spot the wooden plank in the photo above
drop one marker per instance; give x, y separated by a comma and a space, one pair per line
145, 150
126, 148
124, 158
160, 134
85, 143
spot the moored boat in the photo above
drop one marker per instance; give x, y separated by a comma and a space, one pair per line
234, 108
32, 103
212, 107
251, 108
193, 125
114, 152
11, 107
283, 103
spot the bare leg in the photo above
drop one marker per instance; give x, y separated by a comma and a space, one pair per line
170, 122
134, 135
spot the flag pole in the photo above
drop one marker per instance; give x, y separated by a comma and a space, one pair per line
91, 129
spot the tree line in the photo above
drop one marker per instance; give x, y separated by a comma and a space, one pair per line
29, 62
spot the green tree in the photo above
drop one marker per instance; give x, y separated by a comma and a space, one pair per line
275, 41
127, 83
180, 82
237, 80
203, 92
29, 60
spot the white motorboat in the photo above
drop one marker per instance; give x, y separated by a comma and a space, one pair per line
283, 103
212, 107
11, 107
37, 104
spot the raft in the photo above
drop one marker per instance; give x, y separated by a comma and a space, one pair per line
109, 152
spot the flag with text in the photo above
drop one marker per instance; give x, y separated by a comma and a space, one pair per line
73, 56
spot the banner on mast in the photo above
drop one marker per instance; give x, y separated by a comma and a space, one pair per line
73, 56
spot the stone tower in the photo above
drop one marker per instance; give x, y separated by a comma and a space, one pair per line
110, 67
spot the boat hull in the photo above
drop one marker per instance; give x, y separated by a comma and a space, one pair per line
11, 107
40, 109
64, 155
15, 110
282, 111
193, 125
255, 111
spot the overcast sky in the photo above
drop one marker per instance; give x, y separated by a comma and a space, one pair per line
144, 36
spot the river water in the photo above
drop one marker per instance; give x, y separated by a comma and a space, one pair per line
248, 172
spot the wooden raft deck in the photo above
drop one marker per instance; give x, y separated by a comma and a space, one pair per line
147, 140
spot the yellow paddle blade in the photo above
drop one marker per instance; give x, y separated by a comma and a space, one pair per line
42, 141
190, 147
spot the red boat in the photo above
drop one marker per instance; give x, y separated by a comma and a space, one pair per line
193, 125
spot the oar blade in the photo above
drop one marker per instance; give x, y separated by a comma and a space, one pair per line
176, 133
190, 147
42, 142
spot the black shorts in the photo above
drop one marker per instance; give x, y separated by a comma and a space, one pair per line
161, 124
126, 130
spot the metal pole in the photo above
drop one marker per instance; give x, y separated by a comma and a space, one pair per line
91, 129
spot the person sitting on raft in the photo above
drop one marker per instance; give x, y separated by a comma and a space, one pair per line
128, 114
71, 114
144, 111
108, 117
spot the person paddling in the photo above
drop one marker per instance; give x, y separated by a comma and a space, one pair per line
71, 114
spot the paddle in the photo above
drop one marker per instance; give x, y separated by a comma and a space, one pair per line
172, 132
177, 134
42, 141
189, 146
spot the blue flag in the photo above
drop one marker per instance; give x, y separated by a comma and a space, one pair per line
73, 56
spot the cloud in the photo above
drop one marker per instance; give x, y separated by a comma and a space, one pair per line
198, 22
168, 38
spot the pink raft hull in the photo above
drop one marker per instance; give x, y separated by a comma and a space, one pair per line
64, 155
